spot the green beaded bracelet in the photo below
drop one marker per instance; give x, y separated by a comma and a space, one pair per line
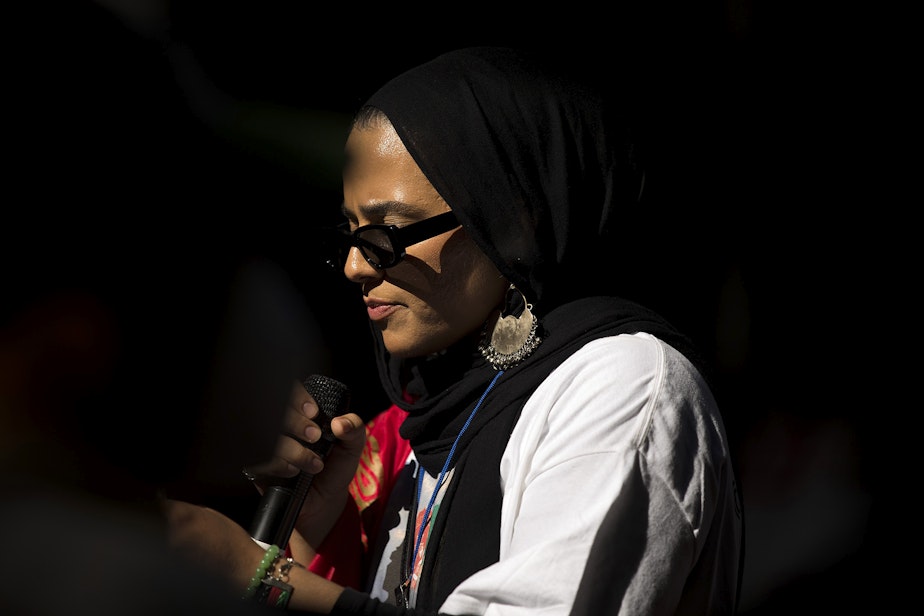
269, 557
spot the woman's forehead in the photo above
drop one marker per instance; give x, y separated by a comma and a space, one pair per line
381, 177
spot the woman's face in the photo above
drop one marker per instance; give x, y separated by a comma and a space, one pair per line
445, 288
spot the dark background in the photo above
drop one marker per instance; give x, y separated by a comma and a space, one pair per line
223, 123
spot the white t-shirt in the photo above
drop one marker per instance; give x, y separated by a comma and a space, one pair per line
625, 424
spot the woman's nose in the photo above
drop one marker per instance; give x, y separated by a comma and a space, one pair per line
356, 268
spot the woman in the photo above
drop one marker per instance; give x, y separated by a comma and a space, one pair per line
483, 195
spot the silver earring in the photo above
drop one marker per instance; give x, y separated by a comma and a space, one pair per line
512, 338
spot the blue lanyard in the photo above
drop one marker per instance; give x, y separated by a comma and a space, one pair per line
439, 481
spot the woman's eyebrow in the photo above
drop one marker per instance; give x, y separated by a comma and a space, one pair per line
381, 208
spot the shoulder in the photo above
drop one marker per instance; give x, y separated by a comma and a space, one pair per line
639, 385
634, 364
629, 356
620, 380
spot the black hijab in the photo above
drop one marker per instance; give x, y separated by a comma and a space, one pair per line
538, 172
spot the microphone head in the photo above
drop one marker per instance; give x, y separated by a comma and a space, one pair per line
332, 396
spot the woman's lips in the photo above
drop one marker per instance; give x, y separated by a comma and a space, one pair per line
378, 311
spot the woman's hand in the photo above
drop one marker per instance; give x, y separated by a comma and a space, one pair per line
212, 541
215, 543
328, 492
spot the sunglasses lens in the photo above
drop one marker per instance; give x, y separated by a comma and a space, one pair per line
376, 246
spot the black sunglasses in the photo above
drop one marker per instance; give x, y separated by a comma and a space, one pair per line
385, 245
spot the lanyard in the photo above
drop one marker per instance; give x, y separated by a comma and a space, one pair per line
403, 591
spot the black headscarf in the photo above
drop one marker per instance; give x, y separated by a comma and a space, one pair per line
526, 158
538, 173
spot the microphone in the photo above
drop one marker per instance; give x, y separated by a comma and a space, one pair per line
280, 504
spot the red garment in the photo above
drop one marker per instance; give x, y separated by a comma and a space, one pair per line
341, 557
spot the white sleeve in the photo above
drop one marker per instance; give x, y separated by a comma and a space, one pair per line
583, 442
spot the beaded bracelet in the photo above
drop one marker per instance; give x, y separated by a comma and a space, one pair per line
269, 560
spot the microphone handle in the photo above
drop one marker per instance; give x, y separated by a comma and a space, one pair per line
281, 504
